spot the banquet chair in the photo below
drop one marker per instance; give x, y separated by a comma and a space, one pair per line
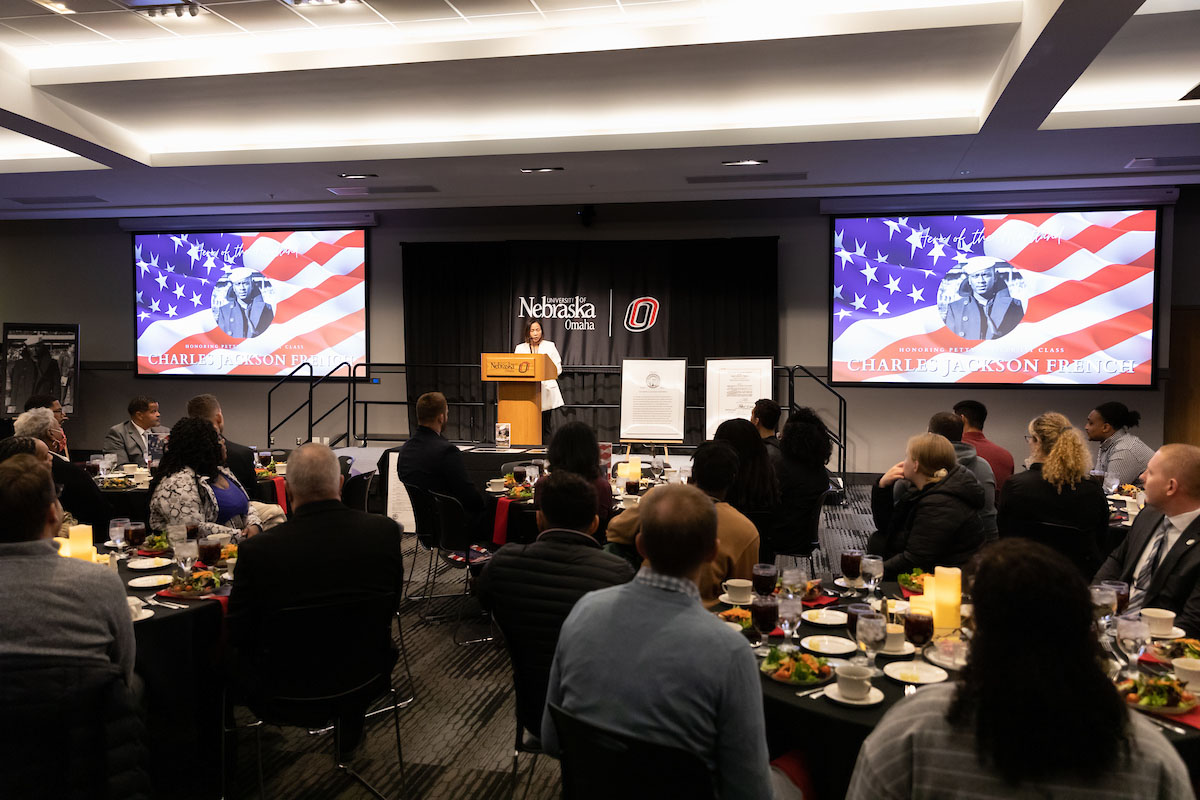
426, 530
512, 465
457, 550
529, 690
808, 539
599, 764
316, 665
70, 729
356, 491
1077, 545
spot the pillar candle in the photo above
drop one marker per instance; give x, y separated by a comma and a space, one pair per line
949, 579
946, 611
81, 539
635, 468
931, 590
64, 546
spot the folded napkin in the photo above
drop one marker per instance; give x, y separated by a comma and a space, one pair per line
907, 593
823, 600
220, 597
150, 553
500, 528
1191, 719
280, 493
1150, 658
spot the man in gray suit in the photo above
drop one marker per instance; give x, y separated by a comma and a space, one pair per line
128, 440
1160, 558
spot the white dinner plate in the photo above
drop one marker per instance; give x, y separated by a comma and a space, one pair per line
828, 645
934, 656
145, 613
824, 616
1175, 633
727, 600
873, 698
845, 584
149, 563
906, 649
914, 672
150, 581
733, 626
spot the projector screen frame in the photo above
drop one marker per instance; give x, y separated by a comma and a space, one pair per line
241, 229
1159, 209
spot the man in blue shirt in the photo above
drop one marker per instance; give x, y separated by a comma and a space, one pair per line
618, 665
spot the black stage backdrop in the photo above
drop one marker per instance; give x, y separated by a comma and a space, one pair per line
599, 302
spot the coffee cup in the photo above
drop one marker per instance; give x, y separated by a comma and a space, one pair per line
280, 468
737, 589
129, 469
231, 564
496, 484
895, 638
854, 682
1188, 671
135, 607
1160, 620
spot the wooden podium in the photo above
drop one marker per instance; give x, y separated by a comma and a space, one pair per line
520, 377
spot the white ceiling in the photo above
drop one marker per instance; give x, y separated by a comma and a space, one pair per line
259, 104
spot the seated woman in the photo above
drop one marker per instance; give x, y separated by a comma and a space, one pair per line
803, 480
192, 485
987, 731
574, 449
1054, 502
936, 522
755, 490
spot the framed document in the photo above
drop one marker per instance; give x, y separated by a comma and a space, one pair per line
733, 385
41, 359
652, 392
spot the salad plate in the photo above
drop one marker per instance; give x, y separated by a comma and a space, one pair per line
828, 645
873, 698
1161, 695
794, 668
824, 616
914, 672
148, 563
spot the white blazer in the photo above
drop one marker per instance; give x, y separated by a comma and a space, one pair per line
551, 396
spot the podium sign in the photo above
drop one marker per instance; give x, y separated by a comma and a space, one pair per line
519, 391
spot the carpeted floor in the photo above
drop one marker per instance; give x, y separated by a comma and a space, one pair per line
458, 734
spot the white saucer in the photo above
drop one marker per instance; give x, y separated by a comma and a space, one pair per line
112, 544
150, 581
490, 490
845, 584
727, 600
828, 645
824, 616
873, 698
145, 613
157, 562
906, 649
914, 672
1175, 633
228, 577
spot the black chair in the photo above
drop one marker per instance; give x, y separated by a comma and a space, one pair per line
529, 689
427, 530
1078, 545
512, 465
807, 540
344, 464
356, 491
599, 764
70, 729
319, 665
456, 549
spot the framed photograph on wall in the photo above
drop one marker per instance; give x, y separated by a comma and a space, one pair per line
40, 358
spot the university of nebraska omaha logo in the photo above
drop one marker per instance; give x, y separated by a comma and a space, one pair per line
641, 315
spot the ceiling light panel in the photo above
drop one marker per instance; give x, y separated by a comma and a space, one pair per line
55, 29
412, 10
123, 25
474, 8
263, 16
338, 14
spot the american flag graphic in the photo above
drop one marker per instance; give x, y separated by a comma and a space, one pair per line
311, 283
1084, 279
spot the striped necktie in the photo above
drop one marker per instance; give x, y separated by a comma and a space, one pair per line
1146, 574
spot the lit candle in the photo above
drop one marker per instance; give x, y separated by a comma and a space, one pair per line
931, 590
635, 468
81, 542
64, 546
949, 596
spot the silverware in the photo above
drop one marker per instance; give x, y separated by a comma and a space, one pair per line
818, 693
152, 600
1165, 724
807, 692
909, 689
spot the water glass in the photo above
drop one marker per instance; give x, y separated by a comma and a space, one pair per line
186, 554
531, 474
1104, 605
871, 634
656, 467
1133, 637
789, 616
176, 534
116, 535
795, 581
1122, 590
872, 572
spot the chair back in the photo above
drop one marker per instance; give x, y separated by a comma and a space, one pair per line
356, 489
511, 465
1078, 545
344, 464
529, 683
603, 764
322, 657
808, 538
70, 730
425, 516
454, 527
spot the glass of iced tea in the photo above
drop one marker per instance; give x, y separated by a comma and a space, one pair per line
918, 629
209, 551
135, 534
764, 578
519, 475
764, 611
1121, 588
633, 487
852, 566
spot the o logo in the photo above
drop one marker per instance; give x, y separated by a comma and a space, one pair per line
523, 367
641, 314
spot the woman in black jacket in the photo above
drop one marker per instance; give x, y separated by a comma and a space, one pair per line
1053, 502
803, 481
936, 522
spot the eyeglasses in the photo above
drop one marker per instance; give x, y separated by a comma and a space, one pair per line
1030, 438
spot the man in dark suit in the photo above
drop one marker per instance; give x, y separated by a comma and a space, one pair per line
246, 314
238, 457
531, 588
128, 440
429, 461
79, 494
358, 554
985, 309
1160, 558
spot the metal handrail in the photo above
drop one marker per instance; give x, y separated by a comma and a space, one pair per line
840, 437
270, 392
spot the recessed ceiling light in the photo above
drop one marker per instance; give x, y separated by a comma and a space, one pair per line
528, 170
744, 162
57, 8
350, 176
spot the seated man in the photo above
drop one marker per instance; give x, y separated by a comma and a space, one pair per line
58, 607
531, 588
127, 440
714, 468
974, 414
617, 665
60, 416
429, 461
80, 496
358, 554
238, 457
1158, 558
765, 417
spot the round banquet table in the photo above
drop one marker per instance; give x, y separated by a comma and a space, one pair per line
179, 659
830, 734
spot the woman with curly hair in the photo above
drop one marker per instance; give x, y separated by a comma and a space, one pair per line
1053, 501
989, 731
192, 485
935, 522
